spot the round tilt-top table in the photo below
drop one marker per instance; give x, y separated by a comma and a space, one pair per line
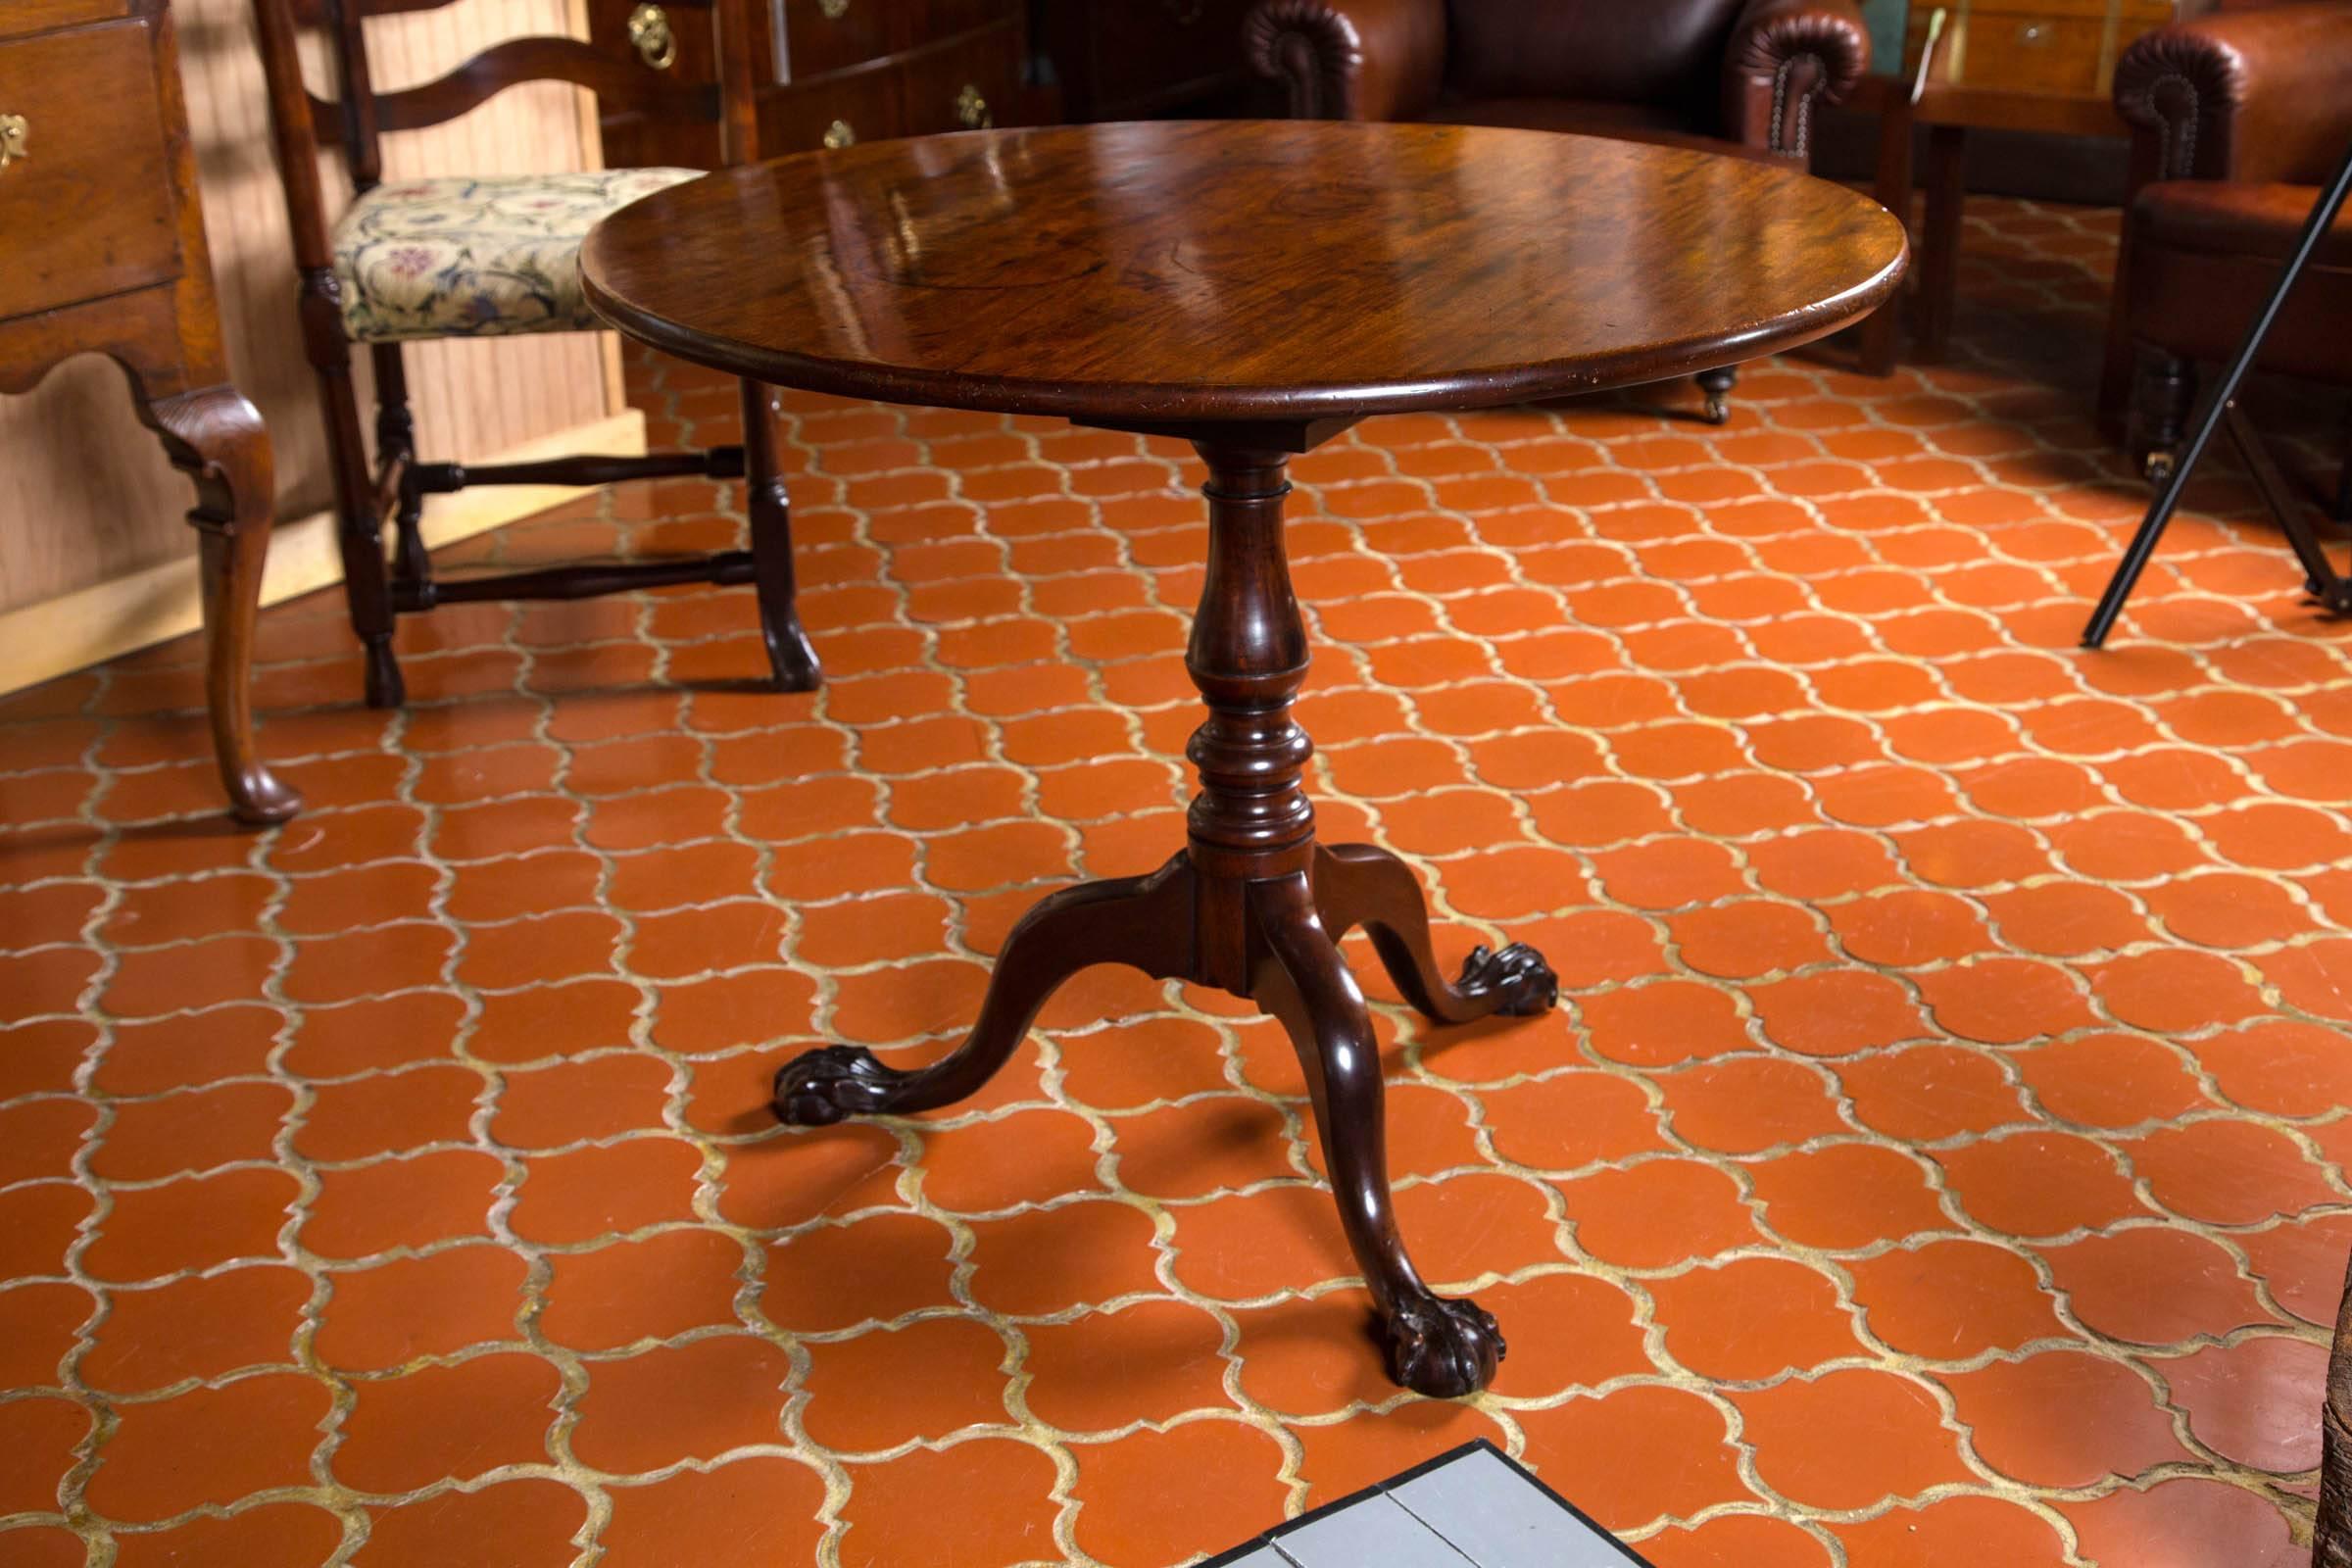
1253, 288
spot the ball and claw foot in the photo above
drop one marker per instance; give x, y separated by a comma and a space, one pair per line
1517, 977
1719, 407
2159, 464
1443, 1348
822, 1087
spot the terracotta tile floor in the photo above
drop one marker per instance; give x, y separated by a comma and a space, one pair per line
1943, 1159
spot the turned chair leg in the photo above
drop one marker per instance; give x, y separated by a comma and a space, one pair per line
367, 590
396, 443
2166, 396
1124, 920
1362, 884
358, 528
789, 654
1438, 1345
1717, 385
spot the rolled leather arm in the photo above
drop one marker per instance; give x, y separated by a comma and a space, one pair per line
1350, 59
1784, 57
2248, 95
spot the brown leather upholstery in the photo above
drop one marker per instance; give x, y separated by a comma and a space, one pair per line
2263, 93
1695, 72
1362, 60
1659, 53
2217, 218
2204, 255
2237, 117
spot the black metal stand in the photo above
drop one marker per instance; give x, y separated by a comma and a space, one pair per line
2321, 578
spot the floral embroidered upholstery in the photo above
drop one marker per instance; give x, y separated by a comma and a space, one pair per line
477, 258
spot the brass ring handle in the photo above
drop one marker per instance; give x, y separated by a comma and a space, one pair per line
972, 110
656, 41
16, 139
839, 134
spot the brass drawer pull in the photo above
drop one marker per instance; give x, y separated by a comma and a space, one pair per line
656, 41
972, 110
833, 9
16, 139
840, 134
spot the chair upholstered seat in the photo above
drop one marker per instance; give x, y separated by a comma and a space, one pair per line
477, 258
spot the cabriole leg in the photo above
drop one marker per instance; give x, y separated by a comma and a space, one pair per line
1137, 920
216, 438
1362, 884
1435, 1344
790, 657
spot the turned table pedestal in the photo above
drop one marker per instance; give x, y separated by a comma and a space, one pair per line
1255, 289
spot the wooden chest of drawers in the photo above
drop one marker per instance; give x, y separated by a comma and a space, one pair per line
2062, 47
102, 251
833, 72
98, 180
41, 15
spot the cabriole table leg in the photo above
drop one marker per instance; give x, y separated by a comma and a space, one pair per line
215, 437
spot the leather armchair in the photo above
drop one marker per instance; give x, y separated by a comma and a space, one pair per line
1739, 76
2237, 118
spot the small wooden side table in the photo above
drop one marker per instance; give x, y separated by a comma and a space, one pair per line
102, 251
1253, 288
1949, 110
2037, 66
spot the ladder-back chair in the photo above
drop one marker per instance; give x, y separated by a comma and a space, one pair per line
443, 257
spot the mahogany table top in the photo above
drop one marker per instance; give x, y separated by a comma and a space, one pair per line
1239, 270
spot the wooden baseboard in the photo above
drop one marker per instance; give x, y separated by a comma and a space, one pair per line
56, 636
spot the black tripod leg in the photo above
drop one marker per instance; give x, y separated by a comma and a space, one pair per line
2151, 529
2319, 577
2217, 405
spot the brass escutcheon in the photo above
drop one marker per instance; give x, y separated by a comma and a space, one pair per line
833, 9
656, 41
972, 110
16, 139
839, 134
